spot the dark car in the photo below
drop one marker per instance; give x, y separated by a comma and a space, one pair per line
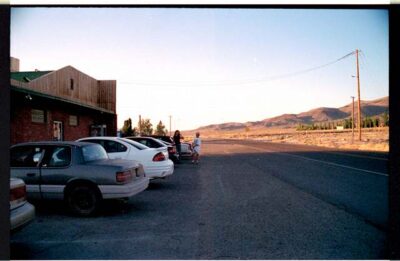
157, 143
78, 172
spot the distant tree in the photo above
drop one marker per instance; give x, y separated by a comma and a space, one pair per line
367, 122
127, 129
160, 129
347, 124
351, 123
300, 127
376, 122
146, 128
385, 119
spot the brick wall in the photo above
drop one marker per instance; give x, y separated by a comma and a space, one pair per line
23, 129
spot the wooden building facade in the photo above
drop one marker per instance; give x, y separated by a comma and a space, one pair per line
65, 104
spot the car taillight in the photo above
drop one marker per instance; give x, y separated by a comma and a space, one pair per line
18, 194
159, 157
124, 176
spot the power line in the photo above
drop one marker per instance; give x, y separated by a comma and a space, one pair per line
238, 82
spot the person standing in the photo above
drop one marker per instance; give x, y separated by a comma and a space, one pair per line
177, 140
196, 148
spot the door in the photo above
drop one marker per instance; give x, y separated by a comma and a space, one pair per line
25, 164
98, 130
57, 130
56, 170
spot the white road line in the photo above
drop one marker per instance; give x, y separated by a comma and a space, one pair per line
357, 156
325, 162
221, 185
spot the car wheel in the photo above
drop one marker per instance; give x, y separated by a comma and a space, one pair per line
83, 200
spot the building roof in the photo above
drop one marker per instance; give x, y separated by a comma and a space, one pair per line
28, 76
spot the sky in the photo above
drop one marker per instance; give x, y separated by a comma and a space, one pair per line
206, 66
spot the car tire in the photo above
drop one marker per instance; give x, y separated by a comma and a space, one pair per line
83, 200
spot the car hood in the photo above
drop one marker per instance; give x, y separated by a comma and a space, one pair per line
115, 162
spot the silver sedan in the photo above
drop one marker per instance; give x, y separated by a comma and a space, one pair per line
79, 173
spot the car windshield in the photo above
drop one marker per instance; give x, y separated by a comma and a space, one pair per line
94, 152
135, 144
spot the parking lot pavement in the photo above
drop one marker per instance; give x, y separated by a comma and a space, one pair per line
157, 223
236, 204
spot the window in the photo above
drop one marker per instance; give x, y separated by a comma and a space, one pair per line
38, 116
26, 156
144, 142
61, 157
94, 152
73, 120
71, 84
112, 146
136, 144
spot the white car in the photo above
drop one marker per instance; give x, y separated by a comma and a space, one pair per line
154, 160
21, 211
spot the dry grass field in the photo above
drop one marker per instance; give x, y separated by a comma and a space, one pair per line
373, 139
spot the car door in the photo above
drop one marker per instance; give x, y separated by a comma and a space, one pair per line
56, 171
25, 164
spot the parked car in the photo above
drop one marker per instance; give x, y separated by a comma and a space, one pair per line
156, 143
78, 172
21, 211
186, 150
155, 161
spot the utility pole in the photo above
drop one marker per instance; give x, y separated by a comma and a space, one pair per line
359, 100
170, 134
352, 119
139, 125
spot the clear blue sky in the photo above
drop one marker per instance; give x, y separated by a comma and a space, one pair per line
205, 66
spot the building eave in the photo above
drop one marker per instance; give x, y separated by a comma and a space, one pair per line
27, 90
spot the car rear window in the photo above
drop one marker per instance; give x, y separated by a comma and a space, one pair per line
94, 152
135, 144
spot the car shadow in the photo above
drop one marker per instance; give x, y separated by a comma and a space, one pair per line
114, 207
159, 184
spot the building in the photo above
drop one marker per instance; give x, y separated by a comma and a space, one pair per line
65, 104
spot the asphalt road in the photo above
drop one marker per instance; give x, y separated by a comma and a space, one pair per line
245, 200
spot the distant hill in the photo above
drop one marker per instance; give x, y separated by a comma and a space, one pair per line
224, 126
372, 108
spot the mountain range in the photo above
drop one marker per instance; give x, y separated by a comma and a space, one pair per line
373, 108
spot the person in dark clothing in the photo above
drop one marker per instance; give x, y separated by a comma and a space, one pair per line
177, 140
